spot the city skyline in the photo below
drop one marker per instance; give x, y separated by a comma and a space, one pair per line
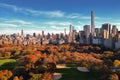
55, 16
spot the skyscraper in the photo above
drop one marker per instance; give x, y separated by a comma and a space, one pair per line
87, 31
70, 34
71, 29
105, 34
114, 29
87, 34
65, 31
22, 33
34, 34
42, 33
97, 32
92, 23
106, 29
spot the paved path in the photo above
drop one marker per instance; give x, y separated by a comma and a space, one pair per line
57, 76
82, 69
61, 66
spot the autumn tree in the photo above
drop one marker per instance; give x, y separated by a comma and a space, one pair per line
117, 63
5, 74
16, 78
113, 77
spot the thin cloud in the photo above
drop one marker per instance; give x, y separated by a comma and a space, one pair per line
79, 27
78, 16
8, 25
33, 12
21, 22
13, 7
55, 27
58, 23
56, 13
73, 15
65, 23
46, 13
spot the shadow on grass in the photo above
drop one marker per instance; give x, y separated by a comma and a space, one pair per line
74, 74
8, 65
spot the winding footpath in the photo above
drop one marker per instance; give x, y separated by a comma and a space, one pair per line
82, 69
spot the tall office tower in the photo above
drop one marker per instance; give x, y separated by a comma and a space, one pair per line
61, 35
97, 32
87, 31
117, 36
34, 34
107, 27
92, 23
70, 39
81, 34
48, 35
71, 31
106, 30
114, 29
105, 34
71, 28
65, 31
22, 33
87, 34
42, 33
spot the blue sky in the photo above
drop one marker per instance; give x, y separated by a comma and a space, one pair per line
55, 15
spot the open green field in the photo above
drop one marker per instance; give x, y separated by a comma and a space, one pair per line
3, 61
7, 63
73, 74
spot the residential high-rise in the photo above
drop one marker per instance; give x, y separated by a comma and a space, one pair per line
65, 31
97, 32
105, 34
71, 28
87, 30
22, 33
106, 30
71, 32
87, 34
70, 39
114, 29
34, 34
92, 23
107, 27
42, 33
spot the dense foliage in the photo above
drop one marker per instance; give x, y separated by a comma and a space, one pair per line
34, 62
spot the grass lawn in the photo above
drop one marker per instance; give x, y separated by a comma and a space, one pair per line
73, 74
7, 63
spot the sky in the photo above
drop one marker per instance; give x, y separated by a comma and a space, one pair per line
54, 16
